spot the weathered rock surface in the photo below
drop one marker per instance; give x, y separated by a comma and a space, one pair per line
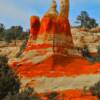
81, 38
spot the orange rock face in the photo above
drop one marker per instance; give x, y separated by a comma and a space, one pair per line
55, 24
55, 30
34, 26
48, 24
63, 25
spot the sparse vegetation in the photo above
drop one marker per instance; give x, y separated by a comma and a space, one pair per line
10, 85
13, 33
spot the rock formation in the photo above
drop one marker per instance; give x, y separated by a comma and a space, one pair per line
50, 38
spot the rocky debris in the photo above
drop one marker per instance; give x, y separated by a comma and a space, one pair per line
82, 38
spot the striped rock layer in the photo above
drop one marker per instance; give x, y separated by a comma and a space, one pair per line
50, 37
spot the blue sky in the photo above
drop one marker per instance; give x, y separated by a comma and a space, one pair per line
18, 12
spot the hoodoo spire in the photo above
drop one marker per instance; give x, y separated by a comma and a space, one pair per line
53, 7
52, 39
64, 8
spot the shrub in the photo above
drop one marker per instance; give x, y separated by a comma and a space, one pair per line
25, 95
8, 80
96, 90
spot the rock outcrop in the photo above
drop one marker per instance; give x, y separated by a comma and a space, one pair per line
50, 37
55, 31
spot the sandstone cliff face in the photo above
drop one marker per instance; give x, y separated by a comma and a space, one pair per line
52, 36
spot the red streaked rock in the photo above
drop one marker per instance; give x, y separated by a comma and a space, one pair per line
34, 26
48, 25
63, 25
